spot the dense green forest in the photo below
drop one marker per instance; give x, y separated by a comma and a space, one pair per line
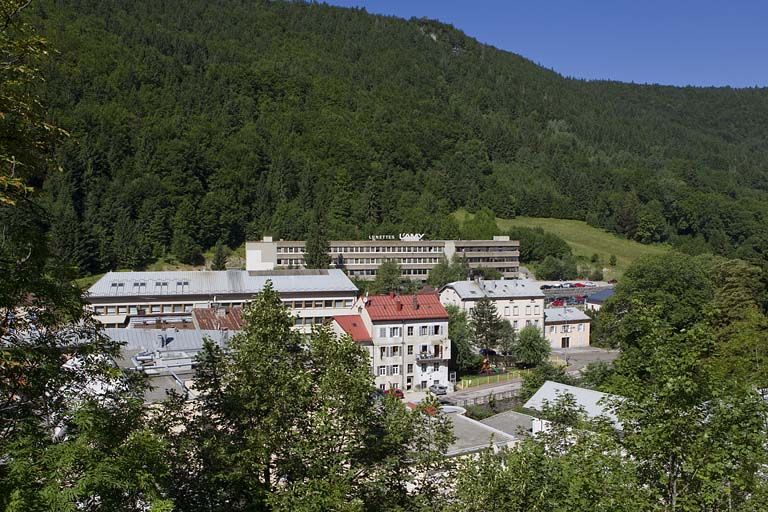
203, 121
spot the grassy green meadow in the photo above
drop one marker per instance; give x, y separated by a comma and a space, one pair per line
585, 240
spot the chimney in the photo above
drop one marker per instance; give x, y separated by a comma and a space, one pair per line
399, 305
415, 302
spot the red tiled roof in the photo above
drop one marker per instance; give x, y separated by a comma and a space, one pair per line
405, 307
354, 326
206, 318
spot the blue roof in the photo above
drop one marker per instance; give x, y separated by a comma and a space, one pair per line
600, 297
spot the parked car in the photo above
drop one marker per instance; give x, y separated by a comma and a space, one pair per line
546, 287
579, 285
565, 285
590, 284
557, 303
487, 352
612, 281
438, 389
396, 392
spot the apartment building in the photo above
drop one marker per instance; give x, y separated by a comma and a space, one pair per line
148, 299
518, 301
416, 256
406, 338
566, 327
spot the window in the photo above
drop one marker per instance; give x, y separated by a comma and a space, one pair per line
436, 366
515, 310
535, 310
382, 332
329, 304
410, 330
581, 327
395, 332
121, 310
156, 308
527, 310
395, 369
436, 329
424, 348
395, 351
394, 385
338, 303
111, 310
564, 329
514, 324
410, 368
424, 367
410, 350
318, 304
506, 310
423, 330
565, 342
553, 328
527, 323
382, 387
382, 370
382, 352
536, 322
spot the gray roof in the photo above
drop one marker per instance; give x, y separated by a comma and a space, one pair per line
510, 422
601, 296
496, 289
209, 282
472, 436
565, 315
595, 403
139, 340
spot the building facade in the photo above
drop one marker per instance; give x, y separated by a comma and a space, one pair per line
520, 302
146, 299
406, 338
566, 327
416, 257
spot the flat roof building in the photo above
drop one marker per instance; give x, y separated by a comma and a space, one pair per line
416, 256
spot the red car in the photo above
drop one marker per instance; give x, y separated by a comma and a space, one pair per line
579, 285
557, 303
396, 392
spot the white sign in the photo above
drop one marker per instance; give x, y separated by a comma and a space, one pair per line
405, 237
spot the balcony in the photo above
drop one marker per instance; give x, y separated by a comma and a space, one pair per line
435, 355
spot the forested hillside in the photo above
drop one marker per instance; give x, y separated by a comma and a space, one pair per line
198, 121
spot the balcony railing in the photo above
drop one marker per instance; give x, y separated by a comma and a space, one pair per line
429, 356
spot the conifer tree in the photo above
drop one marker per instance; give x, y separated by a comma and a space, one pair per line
486, 324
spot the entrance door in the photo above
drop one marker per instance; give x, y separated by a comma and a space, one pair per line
565, 342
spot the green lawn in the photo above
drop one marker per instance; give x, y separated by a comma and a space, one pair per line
470, 381
585, 240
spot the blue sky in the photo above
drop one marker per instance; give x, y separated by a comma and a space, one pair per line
676, 42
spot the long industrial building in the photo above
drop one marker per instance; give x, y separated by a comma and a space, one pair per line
152, 299
415, 256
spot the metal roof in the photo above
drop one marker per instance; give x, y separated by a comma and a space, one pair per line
210, 282
565, 315
595, 403
601, 296
496, 289
223, 318
175, 339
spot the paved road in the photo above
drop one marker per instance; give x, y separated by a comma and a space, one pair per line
577, 359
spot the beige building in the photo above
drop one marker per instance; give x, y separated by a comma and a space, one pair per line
518, 301
406, 338
566, 327
416, 257
139, 299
